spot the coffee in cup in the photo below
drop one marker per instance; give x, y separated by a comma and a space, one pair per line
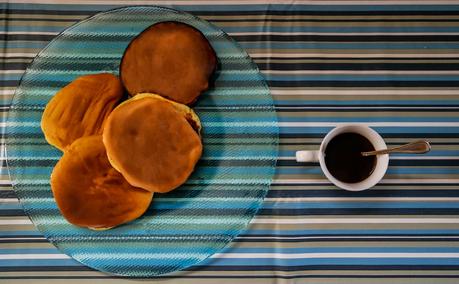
344, 159
341, 160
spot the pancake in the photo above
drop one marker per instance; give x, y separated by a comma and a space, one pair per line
153, 142
171, 59
90, 192
80, 108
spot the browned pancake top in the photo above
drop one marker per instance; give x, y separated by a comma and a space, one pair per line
151, 143
171, 59
90, 192
80, 108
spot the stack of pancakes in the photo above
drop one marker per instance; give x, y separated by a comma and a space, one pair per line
117, 154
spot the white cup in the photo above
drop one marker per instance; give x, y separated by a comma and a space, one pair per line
382, 161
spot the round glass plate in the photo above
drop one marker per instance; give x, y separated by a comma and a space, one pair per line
181, 228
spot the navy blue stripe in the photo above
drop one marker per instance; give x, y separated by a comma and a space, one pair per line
357, 83
325, 267
375, 192
248, 12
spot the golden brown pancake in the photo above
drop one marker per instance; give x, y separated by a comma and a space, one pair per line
90, 192
80, 108
153, 142
171, 59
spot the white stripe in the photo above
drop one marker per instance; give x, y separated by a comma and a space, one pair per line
8, 200
335, 255
333, 34
374, 124
349, 237
15, 222
17, 54
12, 71
352, 107
408, 157
359, 199
360, 72
424, 158
358, 221
6, 92
343, 92
34, 256
354, 55
359, 107
383, 181
27, 33
23, 124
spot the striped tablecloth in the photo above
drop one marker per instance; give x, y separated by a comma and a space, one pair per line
392, 65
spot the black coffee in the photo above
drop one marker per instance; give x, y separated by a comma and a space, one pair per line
344, 160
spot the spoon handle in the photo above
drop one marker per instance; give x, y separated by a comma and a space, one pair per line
416, 147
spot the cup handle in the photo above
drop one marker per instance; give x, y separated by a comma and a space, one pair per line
307, 156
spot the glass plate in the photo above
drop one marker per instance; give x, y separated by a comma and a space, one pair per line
181, 228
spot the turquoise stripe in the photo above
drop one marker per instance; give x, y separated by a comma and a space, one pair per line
30, 251
23, 44
115, 46
34, 233
33, 28
243, 171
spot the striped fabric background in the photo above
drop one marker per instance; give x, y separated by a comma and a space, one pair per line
390, 64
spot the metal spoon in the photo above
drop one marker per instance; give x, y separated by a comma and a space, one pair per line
416, 147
